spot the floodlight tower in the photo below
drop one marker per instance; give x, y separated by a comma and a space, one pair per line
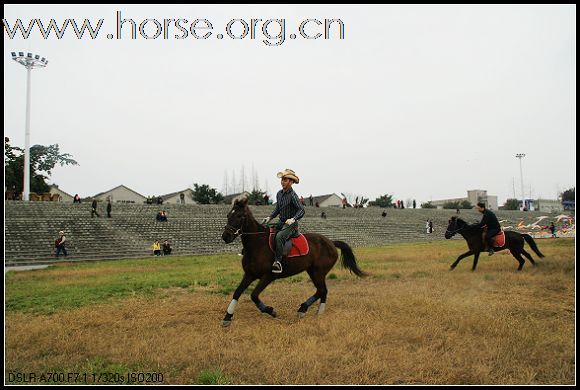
29, 61
520, 156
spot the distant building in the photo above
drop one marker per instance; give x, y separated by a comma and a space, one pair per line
569, 204
229, 198
61, 195
548, 206
179, 197
120, 194
474, 197
330, 200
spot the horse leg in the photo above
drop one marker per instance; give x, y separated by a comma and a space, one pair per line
321, 290
246, 281
475, 259
519, 258
306, 304
262, 284
469, 253
529, 257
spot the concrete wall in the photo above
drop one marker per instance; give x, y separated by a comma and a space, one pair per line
32, 227
176, 199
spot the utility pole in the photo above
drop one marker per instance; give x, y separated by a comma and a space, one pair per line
29, 61
520, 156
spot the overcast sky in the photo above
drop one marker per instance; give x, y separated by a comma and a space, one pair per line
422, 102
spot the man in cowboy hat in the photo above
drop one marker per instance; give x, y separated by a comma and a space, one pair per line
290, 209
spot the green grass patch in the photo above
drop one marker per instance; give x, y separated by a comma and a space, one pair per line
212, 377
61, 287
46, 291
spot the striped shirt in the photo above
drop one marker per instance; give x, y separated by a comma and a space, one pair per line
288, 206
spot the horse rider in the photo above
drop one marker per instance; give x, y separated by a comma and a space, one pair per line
493, 227
290, 210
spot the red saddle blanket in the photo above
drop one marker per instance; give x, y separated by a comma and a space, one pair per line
499, 240
299, 244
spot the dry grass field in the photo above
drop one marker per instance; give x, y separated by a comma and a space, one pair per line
411, 322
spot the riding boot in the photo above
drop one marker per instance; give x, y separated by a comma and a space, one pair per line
489, 248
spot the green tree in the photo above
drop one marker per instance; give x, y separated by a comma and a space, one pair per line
428, 205
43, 159
569, 194
451, 205
256, 197
511, 204
383, 201
464, 204
204, 194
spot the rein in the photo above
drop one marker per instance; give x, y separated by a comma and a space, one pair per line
239, 232
455, 231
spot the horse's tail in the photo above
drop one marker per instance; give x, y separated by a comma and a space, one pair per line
348, 259
532, 244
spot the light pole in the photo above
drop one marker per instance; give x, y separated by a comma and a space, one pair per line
29, 61
520, 156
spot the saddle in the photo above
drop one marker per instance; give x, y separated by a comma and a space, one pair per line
498, 240
296, 246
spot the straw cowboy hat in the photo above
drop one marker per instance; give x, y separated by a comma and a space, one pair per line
61, 232
289, 173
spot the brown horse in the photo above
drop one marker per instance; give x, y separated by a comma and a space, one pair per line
514, 241
258, 259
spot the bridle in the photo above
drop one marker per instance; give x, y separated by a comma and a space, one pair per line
234, 231
239, 232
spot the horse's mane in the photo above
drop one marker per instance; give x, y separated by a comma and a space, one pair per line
466, 224
247, 210
238, 198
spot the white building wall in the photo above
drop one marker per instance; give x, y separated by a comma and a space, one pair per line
121, 194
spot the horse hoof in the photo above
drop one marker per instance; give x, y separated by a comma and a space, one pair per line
225, 324
301, 314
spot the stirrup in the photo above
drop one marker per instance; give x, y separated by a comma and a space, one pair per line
277, 267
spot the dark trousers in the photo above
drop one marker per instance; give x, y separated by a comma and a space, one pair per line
491, 233
59, 249
283, 234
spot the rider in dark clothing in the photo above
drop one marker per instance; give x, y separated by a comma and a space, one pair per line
493, 227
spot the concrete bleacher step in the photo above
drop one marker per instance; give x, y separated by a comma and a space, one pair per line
31, 228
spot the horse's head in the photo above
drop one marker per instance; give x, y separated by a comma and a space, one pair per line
236, 218
455, 225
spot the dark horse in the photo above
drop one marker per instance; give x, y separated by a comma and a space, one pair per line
258, 259
514, 241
